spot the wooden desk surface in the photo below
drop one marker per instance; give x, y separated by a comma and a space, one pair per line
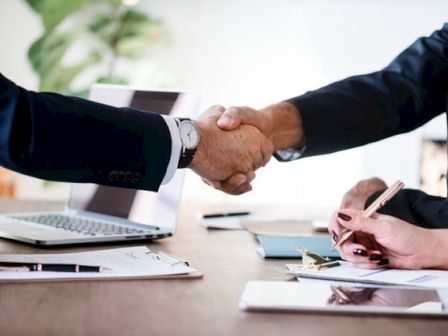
207, 306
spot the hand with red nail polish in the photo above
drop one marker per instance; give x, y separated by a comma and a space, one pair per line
384, 241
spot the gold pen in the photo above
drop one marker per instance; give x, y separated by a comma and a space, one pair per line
378, 203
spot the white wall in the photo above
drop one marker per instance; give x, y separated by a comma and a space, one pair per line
20, 27
255, 52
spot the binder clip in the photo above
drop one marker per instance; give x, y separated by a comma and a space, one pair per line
311, 260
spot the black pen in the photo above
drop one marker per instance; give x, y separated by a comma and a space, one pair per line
226, 214
41, 267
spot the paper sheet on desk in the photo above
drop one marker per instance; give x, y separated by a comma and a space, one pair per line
265, 224
126, 263
384, 276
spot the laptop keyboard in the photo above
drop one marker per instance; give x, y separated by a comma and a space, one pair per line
81, 225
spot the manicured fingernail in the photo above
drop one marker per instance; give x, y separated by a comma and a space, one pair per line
375, 257
334, 236
343, 216
360, 252
383, 262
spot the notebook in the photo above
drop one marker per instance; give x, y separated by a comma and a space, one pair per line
286, 246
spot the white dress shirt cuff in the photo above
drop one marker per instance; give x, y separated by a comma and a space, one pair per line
176, 147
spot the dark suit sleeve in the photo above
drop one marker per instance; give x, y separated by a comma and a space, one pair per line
63, 138
416, 207
363, 109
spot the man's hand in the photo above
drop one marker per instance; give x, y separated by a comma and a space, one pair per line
357, 196
235, 116
221, 154
281, 123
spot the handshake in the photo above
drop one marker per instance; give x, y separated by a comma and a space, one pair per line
236, 141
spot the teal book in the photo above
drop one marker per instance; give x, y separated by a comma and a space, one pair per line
274, 246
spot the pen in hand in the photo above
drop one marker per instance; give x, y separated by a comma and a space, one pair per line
377, 204
7, 266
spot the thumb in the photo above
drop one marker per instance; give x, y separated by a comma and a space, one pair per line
235, 116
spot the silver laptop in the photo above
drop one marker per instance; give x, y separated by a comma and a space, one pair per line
96, 213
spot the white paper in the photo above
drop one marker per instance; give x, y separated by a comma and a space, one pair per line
131, 262
234, 222
347, 272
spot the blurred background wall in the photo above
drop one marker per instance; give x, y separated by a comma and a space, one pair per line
255, 52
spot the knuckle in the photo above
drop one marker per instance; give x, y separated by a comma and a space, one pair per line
233, 109
346, 198
363, 182
217, 108
234, 112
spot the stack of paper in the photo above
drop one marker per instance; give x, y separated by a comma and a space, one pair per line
125, 263
383, 276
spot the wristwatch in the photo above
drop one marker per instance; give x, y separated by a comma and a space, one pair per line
189, 137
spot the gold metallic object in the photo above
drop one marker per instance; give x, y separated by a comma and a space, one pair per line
311, 260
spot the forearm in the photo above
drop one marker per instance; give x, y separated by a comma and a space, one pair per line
436, 251
69, 139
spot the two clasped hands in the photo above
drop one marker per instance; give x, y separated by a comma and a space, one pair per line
239, 140
236, 141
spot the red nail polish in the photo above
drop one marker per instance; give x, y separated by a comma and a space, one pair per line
375, 257
360, 252
383, 262
334, 236
344, 217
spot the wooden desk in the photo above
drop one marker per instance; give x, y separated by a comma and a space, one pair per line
207, 306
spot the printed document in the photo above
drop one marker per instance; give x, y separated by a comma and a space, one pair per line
125, 263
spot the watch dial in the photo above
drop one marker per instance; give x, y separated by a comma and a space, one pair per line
189, 135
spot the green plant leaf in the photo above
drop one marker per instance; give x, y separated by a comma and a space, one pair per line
54, 12
124, 32
104, 27
59, 78
114, 3
134, 23
112, 80
49, 50
84, 93
137, 33
35, 4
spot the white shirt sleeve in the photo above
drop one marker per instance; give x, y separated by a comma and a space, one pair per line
176, 147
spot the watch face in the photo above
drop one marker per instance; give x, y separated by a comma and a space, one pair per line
188, 134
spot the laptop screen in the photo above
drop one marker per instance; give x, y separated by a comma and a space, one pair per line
139, 206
